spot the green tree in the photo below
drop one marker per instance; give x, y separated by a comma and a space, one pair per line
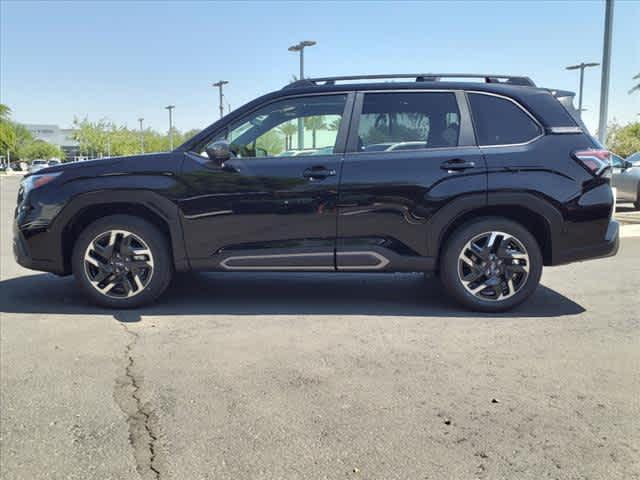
624, 140
270, 141
23, 138
41, 149
7, 130
189, 134
314, 124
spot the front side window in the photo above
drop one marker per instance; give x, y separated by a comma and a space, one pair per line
290, 127
408, 121
499, 121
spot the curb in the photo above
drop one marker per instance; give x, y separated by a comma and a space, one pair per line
629, 231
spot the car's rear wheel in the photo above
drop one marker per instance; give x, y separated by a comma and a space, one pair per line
491, 264
637, 202
122, 261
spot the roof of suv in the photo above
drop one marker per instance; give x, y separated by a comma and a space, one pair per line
540, 102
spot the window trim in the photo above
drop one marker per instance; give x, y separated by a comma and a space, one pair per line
466, 136
517, 104
341, 136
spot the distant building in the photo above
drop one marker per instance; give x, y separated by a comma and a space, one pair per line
53, 134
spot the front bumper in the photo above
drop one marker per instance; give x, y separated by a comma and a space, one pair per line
24, 253
607, 248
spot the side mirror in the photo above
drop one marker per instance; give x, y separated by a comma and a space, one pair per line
626, 164
218, 151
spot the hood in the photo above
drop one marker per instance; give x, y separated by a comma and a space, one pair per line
115, 165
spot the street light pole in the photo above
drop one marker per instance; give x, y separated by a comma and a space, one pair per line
170, 108
606, 67
219, 84
141, 136
299, 47
581, 67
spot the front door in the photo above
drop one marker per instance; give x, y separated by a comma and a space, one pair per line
272, 206
410, 154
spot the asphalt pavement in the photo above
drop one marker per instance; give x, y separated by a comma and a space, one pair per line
314, 376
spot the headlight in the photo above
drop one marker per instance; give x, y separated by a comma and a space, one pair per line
36, 181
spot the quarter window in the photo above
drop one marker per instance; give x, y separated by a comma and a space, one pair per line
408, 121
290, 127
499, 121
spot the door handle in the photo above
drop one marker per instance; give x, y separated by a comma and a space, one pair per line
457, 164
318, 173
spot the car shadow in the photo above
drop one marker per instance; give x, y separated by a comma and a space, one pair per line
273, 294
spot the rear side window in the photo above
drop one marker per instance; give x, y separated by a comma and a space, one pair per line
499, 121
408, 121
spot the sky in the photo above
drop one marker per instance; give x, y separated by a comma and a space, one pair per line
124, 60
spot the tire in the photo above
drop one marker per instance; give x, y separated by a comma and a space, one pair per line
636, 204
122, 261
515, 255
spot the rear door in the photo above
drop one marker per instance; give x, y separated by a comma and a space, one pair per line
409, 154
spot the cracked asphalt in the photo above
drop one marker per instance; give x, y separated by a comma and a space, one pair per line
273, 376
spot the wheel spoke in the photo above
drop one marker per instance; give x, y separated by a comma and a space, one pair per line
491, 242
95, 262
478, 251
479, 288
465, 258
108, 287
475, 273
504, 246
101, 276
138, 282
136, 265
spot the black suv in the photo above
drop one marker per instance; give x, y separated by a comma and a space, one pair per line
482, 179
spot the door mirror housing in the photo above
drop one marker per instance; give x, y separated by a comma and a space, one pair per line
218, 151
626, 164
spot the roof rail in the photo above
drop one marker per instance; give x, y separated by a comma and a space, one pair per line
418, 77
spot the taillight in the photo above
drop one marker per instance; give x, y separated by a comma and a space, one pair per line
596, 161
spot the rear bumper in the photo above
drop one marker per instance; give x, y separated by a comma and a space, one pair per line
607, 248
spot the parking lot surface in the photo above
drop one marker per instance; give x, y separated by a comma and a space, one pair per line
291, 376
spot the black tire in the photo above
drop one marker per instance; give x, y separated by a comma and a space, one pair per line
450, 258
636, 204
162, 265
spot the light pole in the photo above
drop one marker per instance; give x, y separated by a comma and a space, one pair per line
581, 67
299, 47
170, 108
141, 136
606, 67
220, 84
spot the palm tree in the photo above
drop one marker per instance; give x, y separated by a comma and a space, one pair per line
334, 125
288, 130
636, 87
314, 124
5, 112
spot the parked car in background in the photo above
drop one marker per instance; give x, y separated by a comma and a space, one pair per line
626, 179
54, 161
634, 158
38, 164
500, 180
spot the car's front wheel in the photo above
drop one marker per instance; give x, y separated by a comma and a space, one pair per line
122, 261
491, 264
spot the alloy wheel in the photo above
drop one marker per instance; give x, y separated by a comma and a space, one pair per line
118, 264
493, 266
